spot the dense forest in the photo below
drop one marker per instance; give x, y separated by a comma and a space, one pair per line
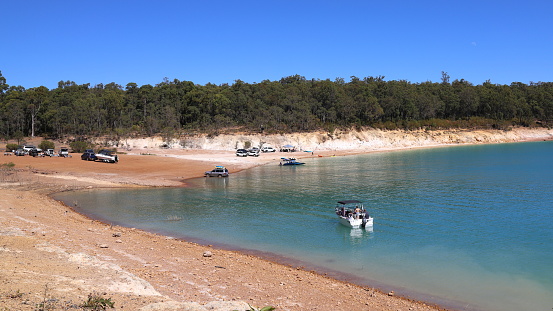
292, 104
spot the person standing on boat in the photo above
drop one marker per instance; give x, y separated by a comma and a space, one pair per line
357, 212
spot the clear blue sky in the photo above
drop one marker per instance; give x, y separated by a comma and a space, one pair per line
44, 42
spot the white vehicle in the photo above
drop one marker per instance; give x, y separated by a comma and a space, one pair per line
352, 214
254, 152
64, 152
241, 153
49, 153
28, 148
268, 149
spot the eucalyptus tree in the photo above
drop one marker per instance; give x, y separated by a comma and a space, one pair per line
368, 109
36, 99
71, 111
13, 110
3, 85
468, 98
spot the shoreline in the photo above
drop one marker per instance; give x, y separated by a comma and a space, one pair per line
151, 272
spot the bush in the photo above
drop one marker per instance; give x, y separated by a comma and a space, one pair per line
46, 144
79, 146
7, 166
97, 303
11, 147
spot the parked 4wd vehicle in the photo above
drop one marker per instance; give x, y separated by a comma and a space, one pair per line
28, 148
88, 155
20, 152
241, 153
268, 149
254, 152
35, 152
49, 153
64, 152
218, 171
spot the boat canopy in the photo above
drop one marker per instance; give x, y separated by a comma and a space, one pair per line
349, 202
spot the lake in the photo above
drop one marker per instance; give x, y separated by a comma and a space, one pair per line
467, 227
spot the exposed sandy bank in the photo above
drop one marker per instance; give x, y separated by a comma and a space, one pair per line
50, 254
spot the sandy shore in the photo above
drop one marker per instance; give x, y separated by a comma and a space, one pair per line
54, 258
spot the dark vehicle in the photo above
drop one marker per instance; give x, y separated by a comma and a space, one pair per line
241, 153
35, 152
88, 155
218, 171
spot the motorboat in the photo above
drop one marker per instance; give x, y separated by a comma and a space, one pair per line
107, 156
290, 161
352, 214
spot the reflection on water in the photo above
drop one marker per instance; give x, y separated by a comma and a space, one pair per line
478, 215
358, 236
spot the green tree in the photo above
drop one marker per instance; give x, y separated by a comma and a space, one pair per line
46, 144
36, 98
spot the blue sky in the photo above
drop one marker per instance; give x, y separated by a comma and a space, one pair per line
218, 42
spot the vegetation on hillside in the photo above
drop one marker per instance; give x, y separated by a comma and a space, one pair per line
292, 104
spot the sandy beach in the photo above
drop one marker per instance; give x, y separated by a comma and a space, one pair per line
54, 258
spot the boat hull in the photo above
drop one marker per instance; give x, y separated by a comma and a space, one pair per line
106, 158
354, 223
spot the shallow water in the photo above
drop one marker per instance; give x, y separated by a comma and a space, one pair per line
468, 227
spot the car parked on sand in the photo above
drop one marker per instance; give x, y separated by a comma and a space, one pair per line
268, 149
64, 152
49, 153
218, 171
20, 152
28, 148
88, 155
254, 152
36, 152
241, 153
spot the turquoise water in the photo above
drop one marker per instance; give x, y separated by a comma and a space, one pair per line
468, 227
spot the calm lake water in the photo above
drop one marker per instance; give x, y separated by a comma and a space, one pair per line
469, 227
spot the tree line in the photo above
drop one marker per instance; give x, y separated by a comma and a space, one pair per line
291, 104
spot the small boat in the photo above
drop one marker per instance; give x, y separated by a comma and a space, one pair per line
106, 156
352, 214
290, 161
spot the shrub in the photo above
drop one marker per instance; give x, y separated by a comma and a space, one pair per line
79, 146
7, 166
96, 303
11, 147
46, 144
